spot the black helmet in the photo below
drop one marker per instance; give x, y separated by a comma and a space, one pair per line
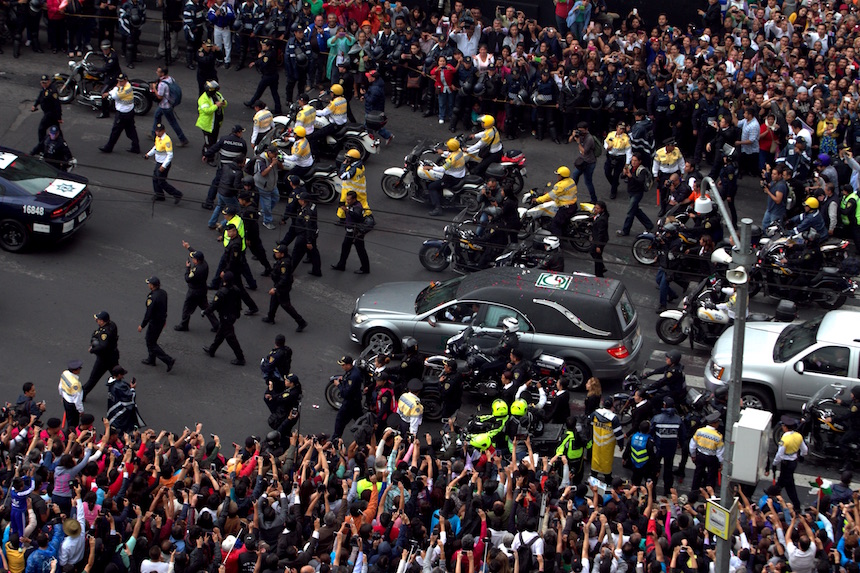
493, 211
480, 86
135, 20
273, 439
409, 343
468, 86
301, 58
671, 228
429, 61
377, 52
674, 356
594, 102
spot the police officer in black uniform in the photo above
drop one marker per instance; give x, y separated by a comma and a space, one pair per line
502, 351
299, 61
52, 111
110, 71
658, 108
282, 275
232, 149
250, 214
196, 275
154, 321
250, 14
642, 138
207, 60
354, 236
103, 344
621, 92
267, 64
852, 422
193, 18
668, 430
681, 117
278, 362
306, 234
705, 113
132, 15
347, 81
227, 302
408, 365
292, 209
451, 383
466, 77
673, 379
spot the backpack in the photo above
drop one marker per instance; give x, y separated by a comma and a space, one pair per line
23, 409
250, 166
174, 93
649, 179
598, 148
524, 552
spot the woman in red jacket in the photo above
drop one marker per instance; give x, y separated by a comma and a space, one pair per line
443, 74
57, 24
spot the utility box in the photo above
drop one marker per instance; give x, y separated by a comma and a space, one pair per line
751, 438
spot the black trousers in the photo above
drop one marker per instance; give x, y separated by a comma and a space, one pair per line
73, 417
347, 413
153, 331
226, 331
597, 256
123, 121
667, 459
299, 251
255, 245
101, 367
348, 241
301, 82
193, 301
490, 158
786, 480
613, 168
160, 185
282, 299
707, 470
559, 223
270, 82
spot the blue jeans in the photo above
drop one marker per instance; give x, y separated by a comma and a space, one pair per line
382, 132
666, 291
171, 119
770, 217
634, 211
446, 104
219, 206
587, 169
268, 200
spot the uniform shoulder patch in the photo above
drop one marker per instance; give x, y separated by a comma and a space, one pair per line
148, 301
104, 336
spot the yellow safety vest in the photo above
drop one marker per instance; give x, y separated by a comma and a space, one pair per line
664, 157
125, 94
263, 119
306, 117
791, 442
338, 109
491, 137
563, 193
240, 226
70, 383
567, 447
409, 405
708, 440
356, 183
163, 144
455, 160
618, 142
301, 147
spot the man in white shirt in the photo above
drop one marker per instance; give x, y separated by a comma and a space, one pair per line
801, 557
530, 537
468, 38
72, 393
72, 548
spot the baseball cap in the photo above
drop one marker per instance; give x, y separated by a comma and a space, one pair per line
238, 128
153, 281
230, 227
102, 315
704, 38
196, 255
74, 364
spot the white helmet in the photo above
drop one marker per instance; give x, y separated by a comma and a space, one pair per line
551, 243
511, 324
704, 206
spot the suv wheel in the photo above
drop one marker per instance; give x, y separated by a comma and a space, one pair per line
576, 374
756, 398
381, 341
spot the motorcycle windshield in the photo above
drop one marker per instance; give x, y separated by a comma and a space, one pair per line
831, 392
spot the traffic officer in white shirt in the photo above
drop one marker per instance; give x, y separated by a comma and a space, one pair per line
667, 160
791, 445
72, 393
123, 100
488, 146
163, 152
335, 111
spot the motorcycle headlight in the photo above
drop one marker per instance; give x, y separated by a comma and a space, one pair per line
358, 318
717, 370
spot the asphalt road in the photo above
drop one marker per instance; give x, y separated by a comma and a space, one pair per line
50, 294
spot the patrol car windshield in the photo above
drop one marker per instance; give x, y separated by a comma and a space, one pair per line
29, 174
435, 294
795, 338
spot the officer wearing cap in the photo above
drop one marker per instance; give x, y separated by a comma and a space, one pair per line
451, 384
123, 101
346, 80
227, 302
231, 149
292, 209
72, 393
196, 274
250, 214
162, 149
267, 64
668, 430
791, 446
667, 160
706, 451
705, 113
110, 70
307, 231
233, 261
207, 62
851, 420
282, 276
350, 385
103, 343
52, 111
154, 320
355, 214
299, 60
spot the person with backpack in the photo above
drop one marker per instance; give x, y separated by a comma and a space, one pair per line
639, 180
169, 95
589, 151
528, 544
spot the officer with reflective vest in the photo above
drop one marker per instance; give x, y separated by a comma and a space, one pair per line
706, 451
351, 174
573, 447
606, 433
667, 160
791, 446
563, 194
488, 147
306, 114
668, 430
335, 111
300, 153
449, 173
299, 61
72, 393
518, 427
409, 407
640, 454
849, 215
495, 423
263, 120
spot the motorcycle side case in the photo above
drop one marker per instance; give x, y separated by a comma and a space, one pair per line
712, 315
549, 362
786, 311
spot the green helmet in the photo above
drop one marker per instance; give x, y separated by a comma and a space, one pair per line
481, 442
500, 408
519, 408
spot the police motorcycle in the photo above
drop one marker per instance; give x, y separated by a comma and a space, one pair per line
413, 178
833, 249
771, 275
84, 84
428, 390
646, 247
529, 254
696, 406
321, 181
535, 216
510, 171
348, 136
460, 247
708, 310
823, 437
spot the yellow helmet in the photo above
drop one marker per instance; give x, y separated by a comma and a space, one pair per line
481, 442
811, 202
563, 171
519, 408
500, 408
354, 153
453, 144
487, 121
337, 89
301, 132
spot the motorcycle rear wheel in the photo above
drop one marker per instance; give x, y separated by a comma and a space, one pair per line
579, 240
332, 396
513, 182
644, 252
669, 330
432, 258
323, 191
833, 299
142, 104
393, 187
432, 409
353, 143
66, 95
527, 230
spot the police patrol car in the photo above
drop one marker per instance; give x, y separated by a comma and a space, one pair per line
38, 201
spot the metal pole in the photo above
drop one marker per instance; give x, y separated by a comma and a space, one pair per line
742, 256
